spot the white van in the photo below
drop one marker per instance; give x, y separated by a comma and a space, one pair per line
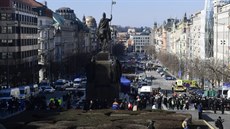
24, 92
145, 90
9, 93
228, 94
77, 82
223, 90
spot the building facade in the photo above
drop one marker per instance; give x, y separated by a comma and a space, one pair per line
91, 23
208, 28
140, 41
19, 43
45, 39
221, 32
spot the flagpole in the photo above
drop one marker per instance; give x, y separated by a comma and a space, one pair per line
111, 7
111, 11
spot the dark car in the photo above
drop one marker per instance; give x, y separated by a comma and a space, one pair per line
156, 67
169, 77
199, 92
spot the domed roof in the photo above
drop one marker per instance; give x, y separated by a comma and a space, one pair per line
90, 18
90, 21
67, 13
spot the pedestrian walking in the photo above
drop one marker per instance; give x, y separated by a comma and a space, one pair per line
130, 106
222, 103
214, 105
199, 108
91, 105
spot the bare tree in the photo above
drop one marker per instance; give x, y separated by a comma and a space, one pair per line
170, 61
150, 50
209, 70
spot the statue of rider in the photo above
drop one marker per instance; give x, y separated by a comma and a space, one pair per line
103, 30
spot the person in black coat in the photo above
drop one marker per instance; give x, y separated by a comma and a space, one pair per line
219, 123
222, 103
214, 105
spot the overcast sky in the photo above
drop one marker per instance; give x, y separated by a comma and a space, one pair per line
134, 13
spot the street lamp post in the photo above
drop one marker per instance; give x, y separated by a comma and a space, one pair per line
180, 61
7, 55
222, 42
49, 56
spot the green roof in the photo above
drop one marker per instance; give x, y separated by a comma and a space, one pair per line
58, 19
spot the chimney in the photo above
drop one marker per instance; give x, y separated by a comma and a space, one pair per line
45, 3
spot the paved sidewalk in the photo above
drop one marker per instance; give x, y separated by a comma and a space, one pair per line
209, 117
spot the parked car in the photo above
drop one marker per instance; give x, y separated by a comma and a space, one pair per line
160, 69
169, 77
84, 80
156, 67
162, 73
77, 82
48, 89
61, 84
148, 79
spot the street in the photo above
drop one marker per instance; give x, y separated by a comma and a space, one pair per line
160, 81
208, 115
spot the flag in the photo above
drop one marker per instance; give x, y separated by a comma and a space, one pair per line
113, 2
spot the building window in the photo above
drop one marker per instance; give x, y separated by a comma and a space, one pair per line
9, 16
4, 55
10, 55
3, 16
3, 28
10, 41
9, 29
4, 41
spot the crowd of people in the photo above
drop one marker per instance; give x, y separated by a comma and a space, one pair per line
12, 106
160, 100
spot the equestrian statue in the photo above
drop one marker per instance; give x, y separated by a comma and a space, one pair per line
104, 32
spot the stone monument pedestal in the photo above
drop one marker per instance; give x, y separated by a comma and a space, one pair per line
103, 84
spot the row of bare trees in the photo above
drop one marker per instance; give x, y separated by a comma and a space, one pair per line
209, 70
